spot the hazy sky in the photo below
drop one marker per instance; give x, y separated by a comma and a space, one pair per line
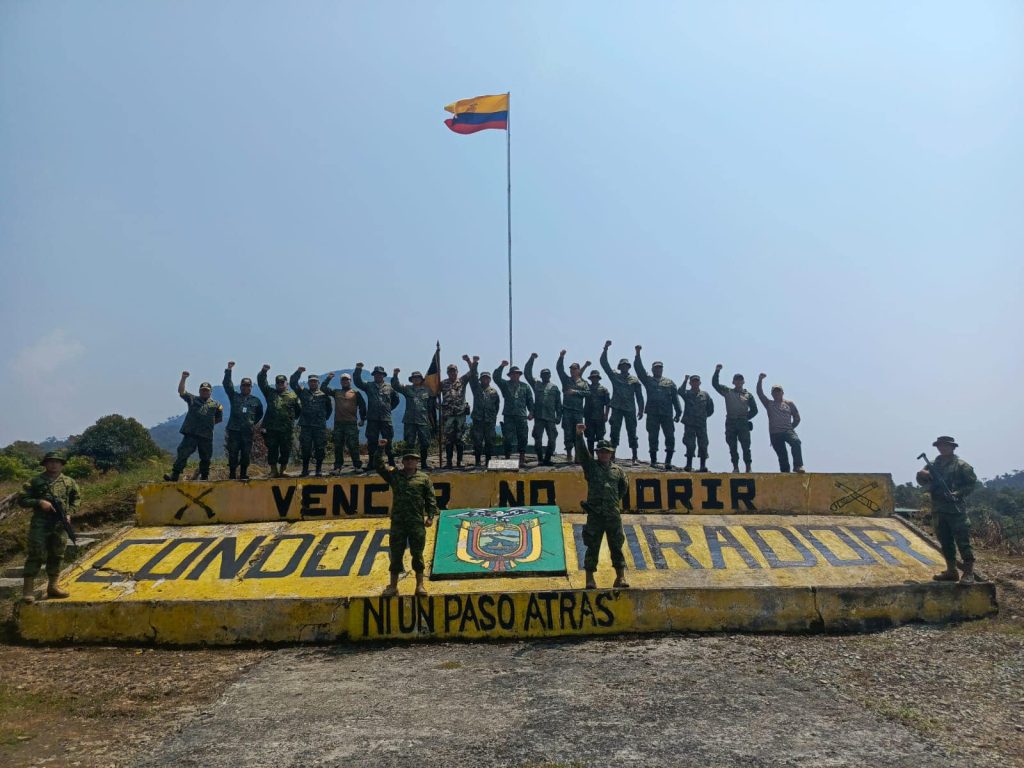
829, 192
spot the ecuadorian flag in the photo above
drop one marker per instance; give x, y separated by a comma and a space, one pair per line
479, 114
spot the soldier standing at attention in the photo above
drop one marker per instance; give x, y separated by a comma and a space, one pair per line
47, 539
783, 419
740, 408
547, 411
413, 508
486, 404
626, 389
595, 410
420, 412
606, 488
316, 410
380, 400
246, 412
956, 479
662, 402
349, 416
283, 408
574, 393
697, 406
453, 412
197, 431
518, 409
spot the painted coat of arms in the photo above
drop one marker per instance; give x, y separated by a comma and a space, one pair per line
499, 541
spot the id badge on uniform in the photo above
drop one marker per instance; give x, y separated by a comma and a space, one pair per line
245, 409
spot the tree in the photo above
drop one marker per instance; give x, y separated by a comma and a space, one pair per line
116, 442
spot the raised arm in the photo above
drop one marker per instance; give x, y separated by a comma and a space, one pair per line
760, 390
397, 385
560, 367
181, 383
498, 377
716, 384
528, 370
641, 372
261, 381
357, 377
293, 382
582, 452
614, 376
229, 388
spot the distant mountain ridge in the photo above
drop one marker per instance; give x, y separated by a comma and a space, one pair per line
167, 433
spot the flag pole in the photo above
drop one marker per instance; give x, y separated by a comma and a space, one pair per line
508, 178
437, 402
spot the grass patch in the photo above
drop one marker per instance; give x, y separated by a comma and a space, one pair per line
450, 665
911, 717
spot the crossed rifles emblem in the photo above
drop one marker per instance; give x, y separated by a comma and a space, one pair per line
198, 501
852, 495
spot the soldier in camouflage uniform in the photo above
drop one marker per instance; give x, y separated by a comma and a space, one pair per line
453, 412
349, 416
956, 479
283, 408
518, 409
413, 508
606, 488
662, 403
316, 410
486, 405
547, 411
574, 393
47, 539
380, 400
740, 408
246, 412
626, 389
697, 407
595, 410
197, 432
420, 412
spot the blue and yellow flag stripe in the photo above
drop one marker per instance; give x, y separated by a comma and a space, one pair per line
478, 114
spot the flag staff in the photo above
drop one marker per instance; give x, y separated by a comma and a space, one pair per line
439, 417
508, 177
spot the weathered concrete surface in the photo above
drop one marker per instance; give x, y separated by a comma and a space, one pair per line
662, 701
650, 492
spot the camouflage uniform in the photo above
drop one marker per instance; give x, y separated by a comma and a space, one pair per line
380, 400
737, 422
572, 404
420, 410
595, 408
486, 404
316, 410
517, 409
47, 539
606, 488
626, 389
197, 434
453, 412
547, 413
349, 410
412, 498
662, 403
952, 526
697, 407
246, 412
283, 408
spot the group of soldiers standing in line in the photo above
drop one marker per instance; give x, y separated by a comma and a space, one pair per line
574, 401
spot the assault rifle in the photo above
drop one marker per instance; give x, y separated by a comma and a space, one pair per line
948, 494
59, 506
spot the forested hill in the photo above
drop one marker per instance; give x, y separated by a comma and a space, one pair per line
167, 436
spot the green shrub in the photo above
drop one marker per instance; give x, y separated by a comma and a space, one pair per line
116, 442
12, 469
79, 467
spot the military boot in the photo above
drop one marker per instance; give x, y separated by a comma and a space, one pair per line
522, 459
635, 459
319, 468
591, 584
231, 472
968, 575
668, 460
424, 464
735, 466
28, 589
748, 466
548, 457
950, 574
620, 578
273, 470
52, 590
703, 465
459, 453
305, 468
654, 459
448, 451
476, 459
171, 477
689, 464
243, 472
568, 455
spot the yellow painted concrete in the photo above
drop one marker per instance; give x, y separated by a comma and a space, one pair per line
320, 581
292, 499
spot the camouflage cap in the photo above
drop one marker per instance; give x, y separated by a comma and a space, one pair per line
379, 369
312, 377
485, 375
945, 439
737, 376
410, 455
281, 378
452, 367
514, 369
54, 456
624, 362
545, 371
604, 445
246, 382
594, 375
206, 385
573, 365
695, 377
415, 375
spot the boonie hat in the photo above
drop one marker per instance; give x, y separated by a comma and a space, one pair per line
206, 385
55, 456
415, 375
604, 445
379, 369
514, 369
945, 439
595, 375
452, 367
623, 361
